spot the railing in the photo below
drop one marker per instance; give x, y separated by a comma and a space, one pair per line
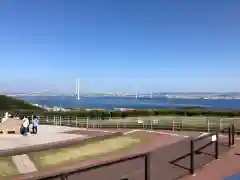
214, 139
65, 175
205, 124
147, 175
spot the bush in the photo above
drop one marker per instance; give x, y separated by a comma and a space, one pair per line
134, 113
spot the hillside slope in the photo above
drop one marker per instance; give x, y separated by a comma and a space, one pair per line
9, 103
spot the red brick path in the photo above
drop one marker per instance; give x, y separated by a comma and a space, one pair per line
161, 168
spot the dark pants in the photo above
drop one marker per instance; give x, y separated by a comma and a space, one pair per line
25, 131
34, 130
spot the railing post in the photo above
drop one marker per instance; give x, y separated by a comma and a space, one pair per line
220, 125
76, 121
229, 137
147, 167
173, 125
216, 147
64, 177
68, 121
192, 169
233, 135
181, 124
208, 125
60, 120
56, 120
87, 123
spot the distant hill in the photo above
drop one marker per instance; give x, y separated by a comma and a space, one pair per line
11, 104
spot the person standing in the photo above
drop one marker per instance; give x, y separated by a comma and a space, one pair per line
25, 125
35, 125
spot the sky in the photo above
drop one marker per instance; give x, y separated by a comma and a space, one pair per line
120, 45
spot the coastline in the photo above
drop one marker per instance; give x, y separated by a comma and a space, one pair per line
113, 103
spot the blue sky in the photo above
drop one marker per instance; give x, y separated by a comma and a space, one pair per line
120, 45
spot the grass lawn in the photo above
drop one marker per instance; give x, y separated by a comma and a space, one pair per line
7, 167
64, 156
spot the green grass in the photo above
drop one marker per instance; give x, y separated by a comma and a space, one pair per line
63, 156
7, 167
201, 123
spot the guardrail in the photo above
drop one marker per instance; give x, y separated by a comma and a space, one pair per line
214, 139
147, 175
65, 175
205, 124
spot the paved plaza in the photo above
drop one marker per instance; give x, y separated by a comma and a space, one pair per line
46, 134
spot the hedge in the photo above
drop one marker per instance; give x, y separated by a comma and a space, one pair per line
133, 113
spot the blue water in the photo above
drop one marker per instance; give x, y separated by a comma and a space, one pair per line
128, 102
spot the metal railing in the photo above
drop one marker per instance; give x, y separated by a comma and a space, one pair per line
65, 175
214, 139
205, 124
147, 174
195, 151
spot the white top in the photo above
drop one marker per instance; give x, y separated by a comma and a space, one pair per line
6, 115
25, 122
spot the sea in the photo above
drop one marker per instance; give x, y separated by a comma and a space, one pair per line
111, 103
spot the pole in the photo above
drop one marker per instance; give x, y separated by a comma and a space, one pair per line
87, 122
216, 147
208, 125
229, 137
181, 124
60, 120
173, 125
192, 157
147, 167
64, 177
233, 134
220, 124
